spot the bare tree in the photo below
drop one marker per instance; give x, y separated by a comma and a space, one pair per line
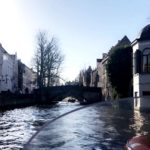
47, 60
54, 60
84, 77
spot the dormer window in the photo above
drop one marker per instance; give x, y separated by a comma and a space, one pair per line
146, 61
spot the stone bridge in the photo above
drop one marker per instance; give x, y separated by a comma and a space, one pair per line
58, 93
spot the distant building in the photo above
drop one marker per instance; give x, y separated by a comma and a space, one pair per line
26, 78
14, 75
123, 42
94, 78
102, 72
99, 80
105, 84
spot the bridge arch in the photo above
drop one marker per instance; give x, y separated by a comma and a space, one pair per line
58, 93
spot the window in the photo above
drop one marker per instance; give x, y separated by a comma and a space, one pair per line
137, 61
136, 100
146, 61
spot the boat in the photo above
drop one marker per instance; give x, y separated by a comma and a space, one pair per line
141, 142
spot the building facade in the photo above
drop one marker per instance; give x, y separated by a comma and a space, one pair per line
94, 78
102, 71
99, 83
14, 75
104, 82
26, 78
141, 69
8, 71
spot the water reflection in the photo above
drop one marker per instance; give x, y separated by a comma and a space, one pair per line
96, 127
140, 123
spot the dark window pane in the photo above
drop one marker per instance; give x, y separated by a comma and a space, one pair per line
146, 61
144, 64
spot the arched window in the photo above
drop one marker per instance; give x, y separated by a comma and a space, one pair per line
146, 60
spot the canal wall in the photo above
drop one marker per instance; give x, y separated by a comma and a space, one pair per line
124, 103
50, 95
142, 103
10, 100
16, 100
92, 97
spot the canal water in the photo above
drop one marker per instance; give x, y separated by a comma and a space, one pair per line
97, 127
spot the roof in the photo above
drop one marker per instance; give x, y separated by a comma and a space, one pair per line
99, 60
124, 41
2, 49
144, 33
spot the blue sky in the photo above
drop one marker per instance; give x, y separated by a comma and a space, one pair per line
84, 28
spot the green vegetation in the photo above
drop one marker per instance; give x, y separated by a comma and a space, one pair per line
119, 71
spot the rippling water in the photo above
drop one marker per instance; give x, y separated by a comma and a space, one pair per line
95, 127
18, 125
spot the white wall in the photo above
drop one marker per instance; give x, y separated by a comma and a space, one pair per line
8, 71
29, 76
141, 82
142, 103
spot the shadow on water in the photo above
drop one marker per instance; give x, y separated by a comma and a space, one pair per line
97, 126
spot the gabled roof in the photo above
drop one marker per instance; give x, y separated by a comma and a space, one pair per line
124, 41
2, 49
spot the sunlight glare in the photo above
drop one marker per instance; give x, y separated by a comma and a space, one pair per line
10, 26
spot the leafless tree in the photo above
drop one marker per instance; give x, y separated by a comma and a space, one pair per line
84, 77
47, 60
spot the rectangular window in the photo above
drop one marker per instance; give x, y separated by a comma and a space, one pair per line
146, 61
136, 101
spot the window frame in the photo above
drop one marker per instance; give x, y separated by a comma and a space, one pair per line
146, 68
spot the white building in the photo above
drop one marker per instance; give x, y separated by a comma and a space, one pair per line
29, 77
141, 69
26, 78
8, 71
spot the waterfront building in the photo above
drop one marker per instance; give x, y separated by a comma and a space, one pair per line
8, 71
26, 78
102, 71
141, 69
94, 78
123, 42
105, 84
14, 75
